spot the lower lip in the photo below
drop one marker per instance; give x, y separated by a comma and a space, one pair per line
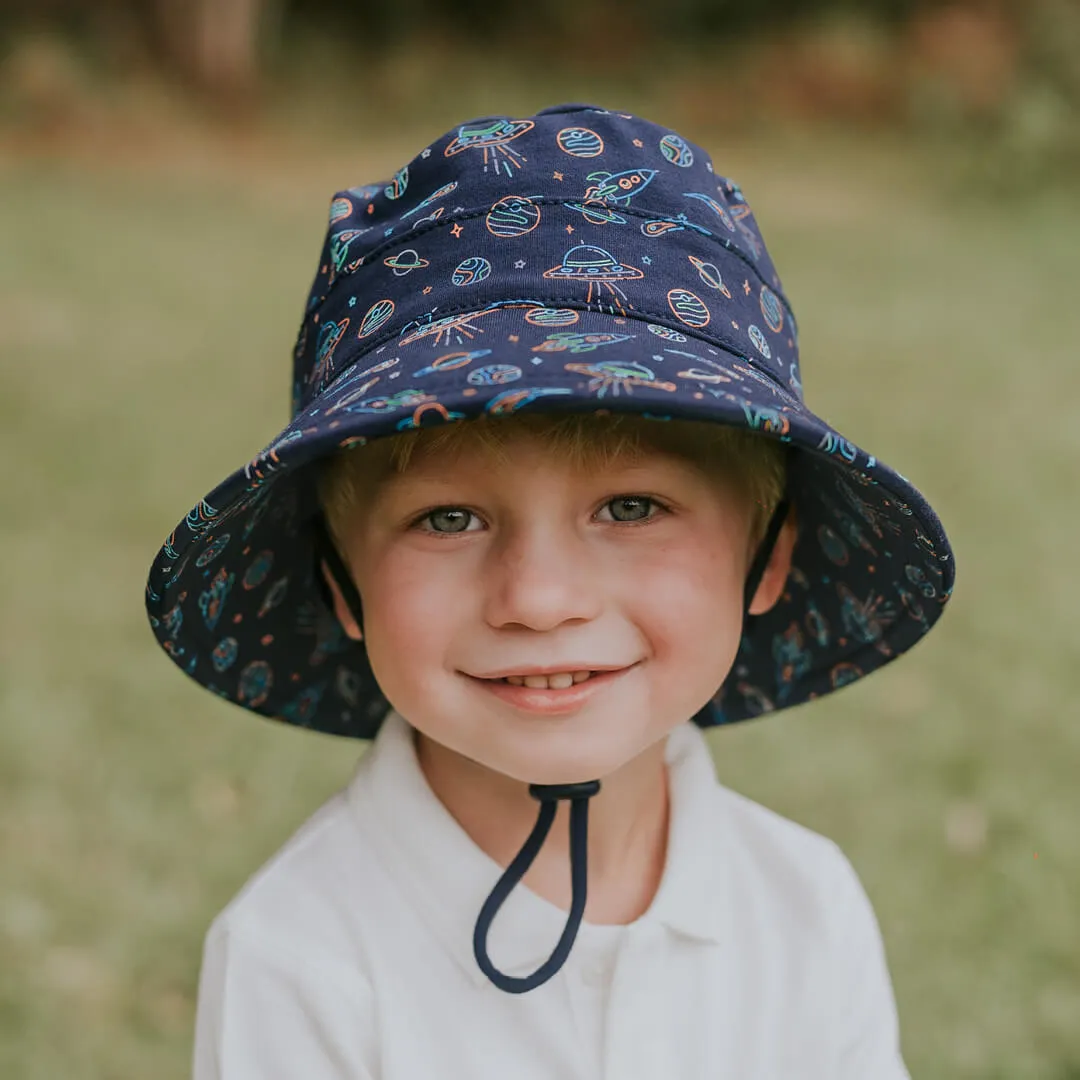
551, 702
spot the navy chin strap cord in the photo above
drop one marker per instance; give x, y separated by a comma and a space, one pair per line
764, 553
548, 795
326, 551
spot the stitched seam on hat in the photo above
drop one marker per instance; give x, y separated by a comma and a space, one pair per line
469, 215
575, 302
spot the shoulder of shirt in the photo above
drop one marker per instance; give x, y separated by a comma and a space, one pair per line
801, 868
303, 899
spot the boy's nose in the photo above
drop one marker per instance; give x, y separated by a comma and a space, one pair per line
541, 580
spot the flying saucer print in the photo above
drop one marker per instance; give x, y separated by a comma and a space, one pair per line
441, 331
600, 269
405, 262
493, 138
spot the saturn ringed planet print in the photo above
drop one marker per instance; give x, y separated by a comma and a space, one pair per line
580, 142
375, 317
405, 262
688, 308
494, 375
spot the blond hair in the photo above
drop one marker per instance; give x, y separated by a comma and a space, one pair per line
756, 464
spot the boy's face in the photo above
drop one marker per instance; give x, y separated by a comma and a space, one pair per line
471, 569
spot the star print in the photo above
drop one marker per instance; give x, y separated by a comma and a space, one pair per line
557, 175
457, 230
537, 360
746, 287
638, 143
427, 290
735, 324
387, 232
512, 337
569, 228
394, 374
426, 152
647, 260
519, 264
352, 301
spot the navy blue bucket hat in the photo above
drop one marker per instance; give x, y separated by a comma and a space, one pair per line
575, 260
578, 260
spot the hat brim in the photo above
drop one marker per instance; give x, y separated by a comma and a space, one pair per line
233, 595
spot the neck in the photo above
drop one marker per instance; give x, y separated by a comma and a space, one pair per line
628, 828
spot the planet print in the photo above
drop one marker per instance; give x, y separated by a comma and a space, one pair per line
256, 573
340, 209
512, 215
546, 316
405, 262
451, 361
396, 188
580, 142
677, 150
771, 309
689, 308
665, 332
709, 273
757, 336
256, 681
494, 375
375, 317
213, 550
224, 655
471, 271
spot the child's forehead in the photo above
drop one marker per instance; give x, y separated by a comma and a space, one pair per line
633, 444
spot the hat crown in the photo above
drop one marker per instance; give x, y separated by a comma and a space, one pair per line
505, 209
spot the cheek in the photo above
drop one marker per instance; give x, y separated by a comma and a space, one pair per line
689, 603
409, 615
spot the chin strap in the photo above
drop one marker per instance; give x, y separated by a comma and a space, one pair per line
548, 795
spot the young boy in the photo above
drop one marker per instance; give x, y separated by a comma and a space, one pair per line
549, 504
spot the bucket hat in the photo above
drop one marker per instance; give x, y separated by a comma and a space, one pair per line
576, 260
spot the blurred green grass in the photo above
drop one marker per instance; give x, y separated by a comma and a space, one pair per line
146, 320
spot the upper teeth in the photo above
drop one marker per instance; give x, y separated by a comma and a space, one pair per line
559, 681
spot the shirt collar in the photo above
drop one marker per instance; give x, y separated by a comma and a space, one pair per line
445, 872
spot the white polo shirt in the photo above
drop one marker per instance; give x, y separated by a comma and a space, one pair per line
349, 955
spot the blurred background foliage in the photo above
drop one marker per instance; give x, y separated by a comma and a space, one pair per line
165, 169
1000, 76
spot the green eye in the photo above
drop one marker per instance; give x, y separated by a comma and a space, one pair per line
449, 519
630, 507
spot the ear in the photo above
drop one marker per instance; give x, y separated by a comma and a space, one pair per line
779, 566
341, 609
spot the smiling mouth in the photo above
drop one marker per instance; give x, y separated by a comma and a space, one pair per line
561, 680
